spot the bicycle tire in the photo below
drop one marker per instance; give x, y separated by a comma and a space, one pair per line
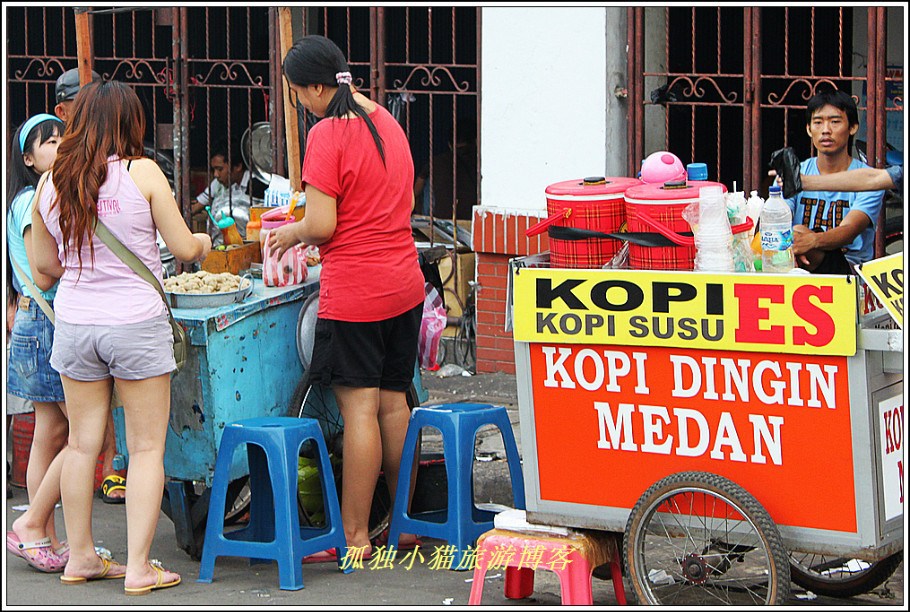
707, 569
316, 402
894, 235
841, 577
465, 347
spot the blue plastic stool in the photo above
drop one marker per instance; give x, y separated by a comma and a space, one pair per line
274, 531
463, 522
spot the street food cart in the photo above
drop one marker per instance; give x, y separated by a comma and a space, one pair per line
242, 362
719, 423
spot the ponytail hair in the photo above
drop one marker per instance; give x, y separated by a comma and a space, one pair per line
316, 60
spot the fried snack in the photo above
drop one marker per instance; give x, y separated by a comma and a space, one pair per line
203, 282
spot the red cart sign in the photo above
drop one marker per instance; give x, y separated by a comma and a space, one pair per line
809, 315
632, 415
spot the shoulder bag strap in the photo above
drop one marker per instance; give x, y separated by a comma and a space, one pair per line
130, 259
36, 293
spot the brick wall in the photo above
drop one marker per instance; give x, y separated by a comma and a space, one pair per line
498, 236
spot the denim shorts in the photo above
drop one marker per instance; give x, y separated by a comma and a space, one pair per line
29, 371
135, 351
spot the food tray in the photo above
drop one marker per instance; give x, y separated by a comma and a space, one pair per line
209, 300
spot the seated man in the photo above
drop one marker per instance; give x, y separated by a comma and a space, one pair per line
229, 189
833, 230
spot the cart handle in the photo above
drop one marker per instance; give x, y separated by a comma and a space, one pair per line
677, 238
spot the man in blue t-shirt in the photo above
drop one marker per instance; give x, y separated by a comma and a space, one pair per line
833, 230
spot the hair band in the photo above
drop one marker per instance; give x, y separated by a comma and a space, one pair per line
343, 78
30, 124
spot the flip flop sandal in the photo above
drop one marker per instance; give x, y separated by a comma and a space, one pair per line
159, 584
107, 564
383, 540
324, 556
114, 482
39, 554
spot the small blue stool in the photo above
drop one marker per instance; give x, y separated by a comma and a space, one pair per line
274, 531
463, 522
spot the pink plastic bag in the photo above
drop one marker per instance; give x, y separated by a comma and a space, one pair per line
431, 326
290, 269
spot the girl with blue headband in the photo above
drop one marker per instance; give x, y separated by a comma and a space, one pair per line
29, 373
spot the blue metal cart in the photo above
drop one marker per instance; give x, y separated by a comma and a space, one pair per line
242, 362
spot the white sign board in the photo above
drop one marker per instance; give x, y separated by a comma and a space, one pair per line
891, 427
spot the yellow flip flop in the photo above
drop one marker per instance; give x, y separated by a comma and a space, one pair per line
159, 584
105, 573
113, 482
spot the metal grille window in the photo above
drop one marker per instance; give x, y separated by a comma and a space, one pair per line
727, 86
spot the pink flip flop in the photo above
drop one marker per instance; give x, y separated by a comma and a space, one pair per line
39, 554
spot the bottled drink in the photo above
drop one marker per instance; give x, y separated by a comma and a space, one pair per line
776, 228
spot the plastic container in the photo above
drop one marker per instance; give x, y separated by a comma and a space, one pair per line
252, 231
661, 167
697, 171
713, 236
593, 203
23, 431
776, 234
659, 208
230, 234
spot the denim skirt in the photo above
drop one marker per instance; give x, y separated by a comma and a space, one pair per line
29, 372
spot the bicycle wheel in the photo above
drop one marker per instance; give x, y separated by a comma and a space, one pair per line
696, 538
465, 348
838, 576
894, 235
318, 402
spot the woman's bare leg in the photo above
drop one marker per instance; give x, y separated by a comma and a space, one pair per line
362, 459
146, 408
88, 404
51, 431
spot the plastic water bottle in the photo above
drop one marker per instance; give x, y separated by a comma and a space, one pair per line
776, 234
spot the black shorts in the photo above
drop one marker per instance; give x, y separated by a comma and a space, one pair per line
376, 354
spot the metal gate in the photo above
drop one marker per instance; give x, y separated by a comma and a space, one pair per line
729, 85
423, 65
195, 89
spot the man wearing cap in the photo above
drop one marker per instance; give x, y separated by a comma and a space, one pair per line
113, 487
66, 89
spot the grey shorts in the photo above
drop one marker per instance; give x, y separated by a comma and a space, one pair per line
132, 352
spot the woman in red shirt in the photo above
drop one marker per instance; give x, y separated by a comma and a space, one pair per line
358, 175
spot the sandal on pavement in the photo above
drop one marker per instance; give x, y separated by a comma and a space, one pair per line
324, 556
159, 584
383, 540
107, 567
114, 482
39, 554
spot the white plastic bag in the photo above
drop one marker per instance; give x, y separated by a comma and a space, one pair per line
431, 326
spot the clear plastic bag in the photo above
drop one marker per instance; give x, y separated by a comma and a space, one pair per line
431, 326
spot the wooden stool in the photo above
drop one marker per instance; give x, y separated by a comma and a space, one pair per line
572, 557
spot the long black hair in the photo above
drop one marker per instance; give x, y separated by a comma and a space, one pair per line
20, 176
316, 60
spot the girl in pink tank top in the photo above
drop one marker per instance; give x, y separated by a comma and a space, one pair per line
111, 324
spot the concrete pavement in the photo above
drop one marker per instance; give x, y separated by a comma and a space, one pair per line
236, 583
